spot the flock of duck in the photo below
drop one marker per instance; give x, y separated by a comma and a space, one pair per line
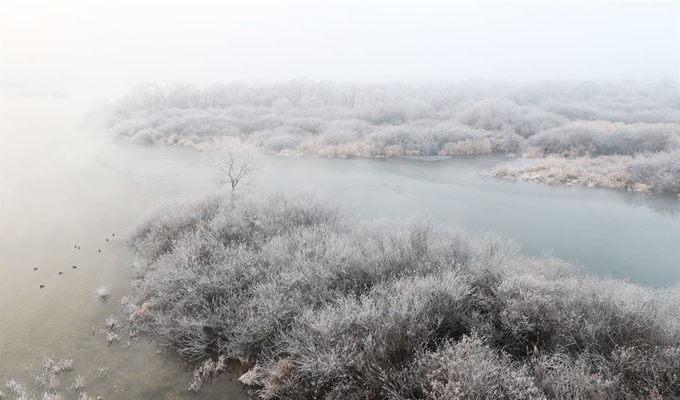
75, 246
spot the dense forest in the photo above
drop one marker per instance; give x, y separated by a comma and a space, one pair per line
622, 135
316, 304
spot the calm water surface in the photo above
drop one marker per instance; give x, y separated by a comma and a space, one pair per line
62, 186
609, 232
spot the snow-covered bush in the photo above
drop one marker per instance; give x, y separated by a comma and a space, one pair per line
320, 305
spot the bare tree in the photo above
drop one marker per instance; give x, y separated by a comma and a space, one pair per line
294, 90
325, 92
236, 163
349, 94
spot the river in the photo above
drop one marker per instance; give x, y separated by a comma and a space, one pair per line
63, 186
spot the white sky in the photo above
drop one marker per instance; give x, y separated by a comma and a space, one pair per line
107, 46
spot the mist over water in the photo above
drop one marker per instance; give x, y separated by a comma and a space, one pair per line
63, 185
67, 185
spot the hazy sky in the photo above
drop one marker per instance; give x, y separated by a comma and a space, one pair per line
107, 46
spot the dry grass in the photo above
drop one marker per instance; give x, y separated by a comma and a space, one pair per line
483, 146
610, 172
657, 172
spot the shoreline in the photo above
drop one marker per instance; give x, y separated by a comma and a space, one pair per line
292, 272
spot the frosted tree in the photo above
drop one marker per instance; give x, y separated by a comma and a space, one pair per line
236, 164
349, 94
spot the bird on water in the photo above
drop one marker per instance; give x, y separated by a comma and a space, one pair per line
42, 286
61, 273
35, 268
74, 267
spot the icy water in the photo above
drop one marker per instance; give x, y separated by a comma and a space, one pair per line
608, 232
63, 186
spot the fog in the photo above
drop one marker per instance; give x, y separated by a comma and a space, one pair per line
103, 48
493, 206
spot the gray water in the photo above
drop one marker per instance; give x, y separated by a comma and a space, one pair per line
62, 186
608, 232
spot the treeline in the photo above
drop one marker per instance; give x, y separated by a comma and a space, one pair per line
418, 119
564, 119
318, 305
591, 140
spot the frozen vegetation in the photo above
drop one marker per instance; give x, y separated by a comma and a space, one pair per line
316, 304
658, 172
103, 292
299, 117
48, 382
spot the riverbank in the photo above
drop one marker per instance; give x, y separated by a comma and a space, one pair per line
658, 173
614, 122
320, 304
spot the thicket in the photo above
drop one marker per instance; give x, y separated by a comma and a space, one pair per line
659, 172
316, 304
592, 140
340, 120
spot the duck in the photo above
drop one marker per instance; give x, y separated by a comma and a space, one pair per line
113, 234
107, 239
74, 267
61, 273
35, 268
100, 250
42, 286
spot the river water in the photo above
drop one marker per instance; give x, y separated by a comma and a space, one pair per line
64, 186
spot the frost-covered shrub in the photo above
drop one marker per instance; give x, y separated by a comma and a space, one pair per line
279, 139
405, 137
606, 171
649, 372
156, 233
580, 139
319, 305
632, 139
577, 139
310, 125
594, 111
130, 126
660, 172
470, 369
334, 135
103, 292
561, 376
404, 119
263, 122
47, 382
498, 114
147, 136
210, 125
